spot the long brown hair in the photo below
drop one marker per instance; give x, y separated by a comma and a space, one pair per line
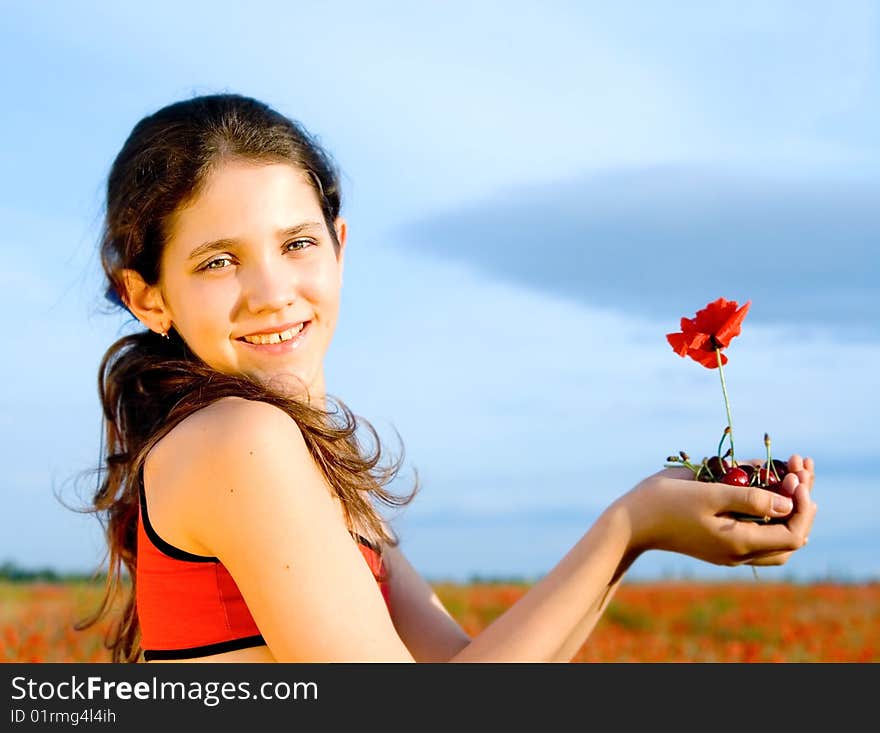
148, 384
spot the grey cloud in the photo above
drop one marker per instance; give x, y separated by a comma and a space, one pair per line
665, 241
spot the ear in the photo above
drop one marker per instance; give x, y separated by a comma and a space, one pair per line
145, 302
341, 234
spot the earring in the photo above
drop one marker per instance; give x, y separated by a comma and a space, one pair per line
165, 335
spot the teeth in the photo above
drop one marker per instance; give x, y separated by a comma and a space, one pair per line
274, 338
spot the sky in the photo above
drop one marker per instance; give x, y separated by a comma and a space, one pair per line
536, 193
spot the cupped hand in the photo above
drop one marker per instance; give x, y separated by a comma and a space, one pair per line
671, 511
801, 520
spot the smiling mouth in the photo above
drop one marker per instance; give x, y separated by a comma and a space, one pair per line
264, 339
283, 342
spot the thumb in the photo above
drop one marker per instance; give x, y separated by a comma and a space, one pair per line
761, 502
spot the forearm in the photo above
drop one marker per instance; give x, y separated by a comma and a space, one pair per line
583, 630
561, 608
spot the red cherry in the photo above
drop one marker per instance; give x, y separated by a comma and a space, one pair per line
767, 478
735, 477
749, 469
717, 466
780, 466
780, 488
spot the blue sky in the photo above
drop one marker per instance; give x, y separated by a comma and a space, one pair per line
536, 193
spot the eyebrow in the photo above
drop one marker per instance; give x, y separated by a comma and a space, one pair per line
225, 243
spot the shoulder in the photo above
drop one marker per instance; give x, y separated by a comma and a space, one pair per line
231, 457
228, 420
248, 492
223, 434
226, 473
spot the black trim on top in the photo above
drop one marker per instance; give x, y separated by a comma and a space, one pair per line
175, 552
364, 541
205, 650
166, 547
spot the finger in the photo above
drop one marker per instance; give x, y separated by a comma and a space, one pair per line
806, 478
753, 540
795, 463
801, 521
756, 501
803, 468
768, 559
790, 482
771, 558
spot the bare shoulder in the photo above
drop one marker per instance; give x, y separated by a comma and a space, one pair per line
218, 436
210, 453
228, 420
248, 492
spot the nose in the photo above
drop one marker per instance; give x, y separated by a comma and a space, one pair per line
268, 286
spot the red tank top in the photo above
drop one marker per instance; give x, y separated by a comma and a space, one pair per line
189, 605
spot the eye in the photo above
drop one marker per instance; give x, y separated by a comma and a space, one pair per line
221, 263
216, 263
290, 246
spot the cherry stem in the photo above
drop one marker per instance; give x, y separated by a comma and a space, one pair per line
704, 466
771, 467
726, 404
674, 461
721, 443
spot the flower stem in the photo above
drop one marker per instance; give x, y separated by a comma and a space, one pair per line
726, 405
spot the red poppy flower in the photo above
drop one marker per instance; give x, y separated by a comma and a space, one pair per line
713, 328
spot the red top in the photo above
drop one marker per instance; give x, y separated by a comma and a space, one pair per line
189, 605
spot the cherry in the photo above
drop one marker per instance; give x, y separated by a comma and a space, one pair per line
776, 486
735, 477
718, 466
781, 468
749, 469
766, 478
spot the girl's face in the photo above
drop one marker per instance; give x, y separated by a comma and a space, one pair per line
250, 278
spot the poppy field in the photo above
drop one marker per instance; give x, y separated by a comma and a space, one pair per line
675, 621
685, 621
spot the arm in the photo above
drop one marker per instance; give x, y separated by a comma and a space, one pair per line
802, 468
429, 631
245, 488
666, 511
432, 634
250, 494
582, 631
555, 614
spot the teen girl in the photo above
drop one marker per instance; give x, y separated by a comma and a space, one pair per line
237, 494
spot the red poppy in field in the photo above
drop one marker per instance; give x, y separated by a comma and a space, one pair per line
714, 327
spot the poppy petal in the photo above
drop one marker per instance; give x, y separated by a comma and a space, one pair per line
713, 317
732, 327
707, 358
682, 342
679, 343
688, 325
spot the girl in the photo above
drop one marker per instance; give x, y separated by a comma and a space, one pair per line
236, 493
